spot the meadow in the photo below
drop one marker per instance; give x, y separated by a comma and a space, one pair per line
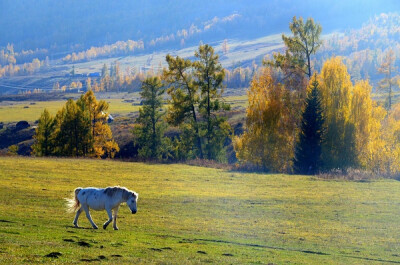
31, 111
195, 215
121, 104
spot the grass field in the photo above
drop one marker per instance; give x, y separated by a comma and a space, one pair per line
193, 215
30, 110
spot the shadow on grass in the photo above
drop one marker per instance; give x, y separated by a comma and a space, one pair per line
184, 240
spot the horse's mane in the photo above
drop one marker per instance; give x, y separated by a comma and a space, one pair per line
110, 191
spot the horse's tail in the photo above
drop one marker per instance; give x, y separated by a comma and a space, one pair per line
73, 203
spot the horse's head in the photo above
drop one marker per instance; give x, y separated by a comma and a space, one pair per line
132, 202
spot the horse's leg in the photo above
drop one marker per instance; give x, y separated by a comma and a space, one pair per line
77, 216
109, 218
86, 208
115, 218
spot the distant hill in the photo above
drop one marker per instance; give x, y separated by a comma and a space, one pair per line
75, 25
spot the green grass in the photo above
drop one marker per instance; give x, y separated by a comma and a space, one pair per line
23, 110
193, 215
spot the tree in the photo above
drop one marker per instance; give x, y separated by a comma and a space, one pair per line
150, 130
268, 141
209, 78
299, 48
367, 118
389, 81
103, 144
105, 79
72, 134
44, 138
308, 149
338, 150
88, 84
79, 129
184, 99
225, 47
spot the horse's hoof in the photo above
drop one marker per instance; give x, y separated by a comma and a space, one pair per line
75, 225
104, 226
95, 227
115, 228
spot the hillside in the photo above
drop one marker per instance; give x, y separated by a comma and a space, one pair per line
195, 215
75, 25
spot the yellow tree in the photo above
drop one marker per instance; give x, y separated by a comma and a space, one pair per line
389, 81
338, 150
103, 142
387, 159
366, 116
268, 141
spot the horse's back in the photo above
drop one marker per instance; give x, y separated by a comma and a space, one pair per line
92, 197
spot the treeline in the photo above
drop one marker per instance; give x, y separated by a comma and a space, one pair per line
130, 46
114, 80
79, 129
115, 49
111, 79
9, 66
239, 77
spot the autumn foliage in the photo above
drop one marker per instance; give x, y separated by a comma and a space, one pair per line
269, 139
79, 129
356, 132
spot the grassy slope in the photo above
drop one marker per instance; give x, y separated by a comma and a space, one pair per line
185, 211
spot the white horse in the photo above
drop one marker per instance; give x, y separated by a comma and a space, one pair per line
101, 199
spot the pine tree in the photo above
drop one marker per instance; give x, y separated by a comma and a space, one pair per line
308, 149
102, 142
296, 63
209, 77
44, 137
150, 129
184, 101
72, 134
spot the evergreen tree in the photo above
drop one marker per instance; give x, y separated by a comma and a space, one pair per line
73, 136
209, 77
304, 42
79, 129
184, 101
150, 128
44, 138
308, 149
101, 135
